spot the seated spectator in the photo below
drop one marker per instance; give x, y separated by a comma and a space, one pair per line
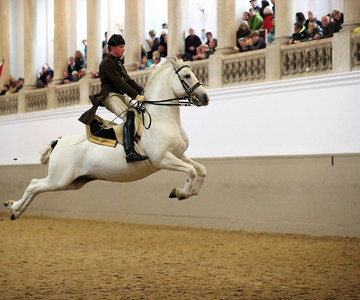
264, 4
300, 18
243, 47
156, 61
257, 41
6, 88
201, 52
254, 5
255, 20
271, 34
314, 29
19, 85
273, 8
338, 18
245, 16
71, 65
48, 80
153, 42
208, 37
330, 27
81, 74
267, 24
79, 60
46, 71
312, 18
181, 54
67, 78
242, 32
212, 48
300, 33
192, 41
75, 76
162, 49
146, 62
11, 90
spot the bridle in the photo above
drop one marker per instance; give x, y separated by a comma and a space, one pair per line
188, 100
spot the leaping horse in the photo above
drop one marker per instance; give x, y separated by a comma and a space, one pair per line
75, 161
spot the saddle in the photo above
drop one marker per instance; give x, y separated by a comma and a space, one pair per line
108, 133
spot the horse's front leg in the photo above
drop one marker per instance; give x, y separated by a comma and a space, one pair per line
171, 162
201, 172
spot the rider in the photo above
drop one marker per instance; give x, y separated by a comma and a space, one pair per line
115, 83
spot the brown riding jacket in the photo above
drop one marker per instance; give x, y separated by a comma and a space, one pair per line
114, 79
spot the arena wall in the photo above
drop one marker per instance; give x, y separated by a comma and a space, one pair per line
281, 157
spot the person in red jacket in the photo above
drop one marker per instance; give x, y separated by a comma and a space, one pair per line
267, 24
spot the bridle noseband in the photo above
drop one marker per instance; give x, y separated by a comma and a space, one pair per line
189, 90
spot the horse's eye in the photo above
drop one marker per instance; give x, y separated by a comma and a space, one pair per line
187, 76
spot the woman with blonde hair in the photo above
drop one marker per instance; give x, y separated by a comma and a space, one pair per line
242, 32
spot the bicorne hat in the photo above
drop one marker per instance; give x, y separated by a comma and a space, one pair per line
116, 39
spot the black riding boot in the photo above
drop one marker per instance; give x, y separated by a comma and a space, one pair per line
128, 136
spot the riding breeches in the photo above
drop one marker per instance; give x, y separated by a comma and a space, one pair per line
117, 104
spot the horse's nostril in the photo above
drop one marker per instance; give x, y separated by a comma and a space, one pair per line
206, 98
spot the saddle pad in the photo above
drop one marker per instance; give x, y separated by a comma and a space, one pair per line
100, 132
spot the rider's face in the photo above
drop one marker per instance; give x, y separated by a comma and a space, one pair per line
118, 50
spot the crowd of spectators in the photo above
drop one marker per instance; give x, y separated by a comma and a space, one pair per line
14, 86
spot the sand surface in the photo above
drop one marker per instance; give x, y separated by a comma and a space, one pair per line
48, 258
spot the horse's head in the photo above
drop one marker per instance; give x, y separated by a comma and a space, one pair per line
188, 85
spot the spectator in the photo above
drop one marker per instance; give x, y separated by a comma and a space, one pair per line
212, 48
312, 18
156, 62
300, 18
271, 35
254, 5
46, 71
85, 46
201, 52
246, 16
264, 4
71, 65
338, 18
153, 42
243, 47
162, 50
257, 41
6, 88
300, 33
104, 43
273, 8
19, 85
81, 74
208, 37
48, 80
11, 90
267, 24
314, 29
79, 60
255, 20
75, 76
192, 42
242, 32
181, 54
330, 27
67, 78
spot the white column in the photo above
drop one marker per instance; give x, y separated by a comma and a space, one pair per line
115, 17
132, 34
60, 39
342, 44
176, 12
226, 25
5, 41
94, 35
30, 75
284, 27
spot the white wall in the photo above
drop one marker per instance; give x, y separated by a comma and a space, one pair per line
295, 117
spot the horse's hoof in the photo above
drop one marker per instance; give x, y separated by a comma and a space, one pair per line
6, 204
181, 198
12, 217
173, 193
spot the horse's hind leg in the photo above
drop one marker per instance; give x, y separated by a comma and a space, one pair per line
35, 187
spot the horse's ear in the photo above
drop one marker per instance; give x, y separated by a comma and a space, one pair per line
175, 64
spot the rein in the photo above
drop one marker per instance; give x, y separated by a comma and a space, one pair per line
183, 101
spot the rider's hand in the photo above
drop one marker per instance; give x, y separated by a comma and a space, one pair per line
140, 98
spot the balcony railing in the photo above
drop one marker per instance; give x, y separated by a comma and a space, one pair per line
299, 60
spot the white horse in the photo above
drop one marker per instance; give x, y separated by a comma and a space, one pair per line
75, 161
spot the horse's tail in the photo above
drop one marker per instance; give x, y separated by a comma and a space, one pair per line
46, 152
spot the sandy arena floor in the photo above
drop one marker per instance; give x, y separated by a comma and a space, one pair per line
47, 258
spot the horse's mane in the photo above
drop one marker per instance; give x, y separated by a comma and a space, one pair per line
159, 70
